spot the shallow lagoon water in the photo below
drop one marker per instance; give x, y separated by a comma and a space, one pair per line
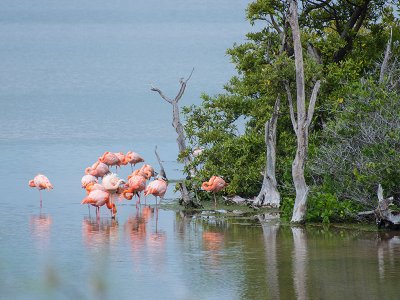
74, 83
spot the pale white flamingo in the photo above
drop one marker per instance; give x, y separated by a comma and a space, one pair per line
40, 182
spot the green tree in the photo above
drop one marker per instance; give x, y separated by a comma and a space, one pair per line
230, 126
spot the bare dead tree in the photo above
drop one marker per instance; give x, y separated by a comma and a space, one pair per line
386, 58
162, 170
269, 194
302, 124
181, 140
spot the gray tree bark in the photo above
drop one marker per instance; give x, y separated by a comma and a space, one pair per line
269, 194
386, 58
181, 140
301, 125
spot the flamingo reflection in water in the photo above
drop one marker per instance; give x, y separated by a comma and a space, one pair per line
97, 232
136, 229
213, 243
40, 226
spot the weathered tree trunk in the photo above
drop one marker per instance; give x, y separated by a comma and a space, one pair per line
176, 123
385, 59
269, 194
301, 125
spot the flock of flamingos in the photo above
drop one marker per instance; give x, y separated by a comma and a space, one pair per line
112, 187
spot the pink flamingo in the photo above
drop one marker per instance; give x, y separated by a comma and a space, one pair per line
40, 182
215, 184
136, 184
133, 158
98, 169
98, 198
110, 159
121, 157
157, 188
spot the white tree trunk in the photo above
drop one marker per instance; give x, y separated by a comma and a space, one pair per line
269, 194
176, 123
301, 125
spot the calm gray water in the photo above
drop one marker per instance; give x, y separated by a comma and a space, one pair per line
74, 82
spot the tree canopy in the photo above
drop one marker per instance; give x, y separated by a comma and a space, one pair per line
343, 44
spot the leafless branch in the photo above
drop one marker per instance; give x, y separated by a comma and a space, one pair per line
311, 105
290, 100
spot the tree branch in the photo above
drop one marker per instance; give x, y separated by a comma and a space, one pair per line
183, 86
154, 89
311, 105
292, 116
162, 171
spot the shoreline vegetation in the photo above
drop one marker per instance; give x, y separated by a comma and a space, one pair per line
310, 123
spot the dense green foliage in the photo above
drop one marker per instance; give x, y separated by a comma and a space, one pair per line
230, 126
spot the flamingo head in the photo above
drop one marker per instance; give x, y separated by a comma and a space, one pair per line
31, 183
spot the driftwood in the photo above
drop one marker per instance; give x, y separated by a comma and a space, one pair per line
269, 194
385, 217
187, 199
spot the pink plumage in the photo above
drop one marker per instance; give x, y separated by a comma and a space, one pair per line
157, 188
41, 182
98, 169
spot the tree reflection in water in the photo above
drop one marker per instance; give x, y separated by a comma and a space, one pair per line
270, 226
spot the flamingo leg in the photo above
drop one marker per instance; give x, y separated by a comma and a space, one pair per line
131, 168
40, 193
156, 216
215, 201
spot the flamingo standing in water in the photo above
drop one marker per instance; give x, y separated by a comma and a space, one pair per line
86, 179
121, 158
157, 188
41, 182
136, 184
133, 158
98, 198
110, 159
98, 169
215, 184
111, 182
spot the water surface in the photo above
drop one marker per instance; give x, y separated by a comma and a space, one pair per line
75, 82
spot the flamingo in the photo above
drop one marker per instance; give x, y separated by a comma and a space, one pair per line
121, 158
133, 158
98, 169
215, 184
110, 159
157, 188
86, 179
147, 171
94, 186
136, 184
98, 198
111, 182
41, 182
